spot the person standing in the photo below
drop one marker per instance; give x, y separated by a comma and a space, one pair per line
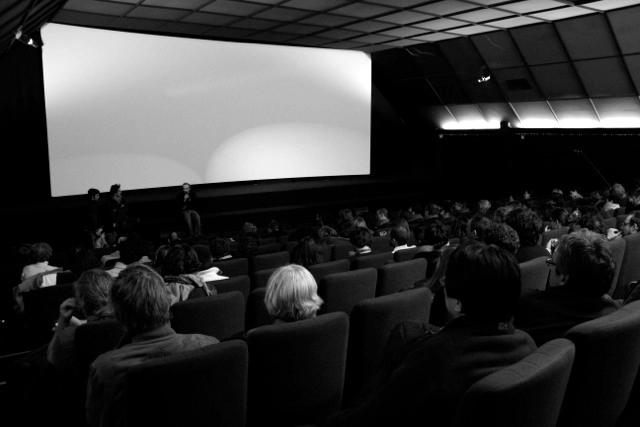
187, 199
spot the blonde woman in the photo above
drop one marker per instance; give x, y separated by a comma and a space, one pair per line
292, 294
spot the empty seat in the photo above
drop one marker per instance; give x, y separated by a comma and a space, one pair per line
371, 323
296, 370
371, 260
535, 273
617, 248
241, 284
256, 313
260, 278
233, 267
269, 248
220, 316
41, 311
526, 394
400, 276
380, 243
341, 251
321, 270
405, 254
272, 260
606, 363
630, 268
342, 291
204, 387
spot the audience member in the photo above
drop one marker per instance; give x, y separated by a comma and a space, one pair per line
503, 236
361, 240
39, 273
131, 251
292, 294
187, 200
529, 228
179, 269
483, 207
207, 271
400, 239
221, 249
383, 224
631, 225
584, 267
306, 253
140, 302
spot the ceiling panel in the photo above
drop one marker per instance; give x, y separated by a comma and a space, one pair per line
482, 15
518, 21
463, 57
448, 89
574, 113
497, 49
209, 18
472, 29
633, 65
528, 6
404, 18
163, 13
186, 28
564, 13
282, 14
315, 4
446, 7
535, 114
254, 24
626, 29
605, 77
467, 112
327, 20
618, 112
434, 37
361, 10
339, 34
612, 4
558, 81
440, 24
397, 3
229, 7
539, 44
587, 37
80, 18
498, 111
517, 84
179, 4
403, 32
370, 26
135, 23
100, 7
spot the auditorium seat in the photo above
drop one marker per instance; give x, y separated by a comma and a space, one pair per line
272, 260
605, 367
372, 321
380, 243
198, 388
399, 276
220, 316
630, 268
233, 267
405, 254
41, 311
553, 234
341, 251
535, 273
526, 394
267, 240
269, 248
341, 291
256, 313
321, 270
617, 247
260, 278
241, 284
374, 260
297, 370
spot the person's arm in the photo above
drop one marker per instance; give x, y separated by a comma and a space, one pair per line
60, 350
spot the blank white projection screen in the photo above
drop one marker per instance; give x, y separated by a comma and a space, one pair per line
153, 111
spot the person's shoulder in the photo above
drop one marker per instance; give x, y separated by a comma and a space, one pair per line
193, 341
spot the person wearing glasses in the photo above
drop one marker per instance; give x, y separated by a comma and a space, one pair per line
631, 225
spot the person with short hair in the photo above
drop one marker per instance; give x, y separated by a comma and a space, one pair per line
116, 211
400, 237
631, 225
39, 253
180, 268
503, 236
141, 304
528, 225
428, 377
187, 200
585, 267
361, 239
306, 252
292, 294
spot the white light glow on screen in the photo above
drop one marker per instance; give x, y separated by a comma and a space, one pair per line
471, 124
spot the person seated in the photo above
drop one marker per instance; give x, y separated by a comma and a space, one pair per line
207, 272
432, 372
361, 240
39, 270
220, 249
306, 252
359, 222
400, 237
528, 225
179, 269
383, 223
477, 227
483, 207
131, 250
141, 304
91, 299
584, 269
412, 214
345, 222
631, 225
292, 294
503, 236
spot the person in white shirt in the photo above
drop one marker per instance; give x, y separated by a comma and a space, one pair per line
400, 239
40, 254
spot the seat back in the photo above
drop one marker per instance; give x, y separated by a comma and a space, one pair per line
233, 267
272, 260
341, 251
220, 316
618, 248
296, 370
260, 278
371, 323
372, 260
204, 387
607, 359
341, 291
269, 248
400, 276
321, 270
535, 273
405, 254
256, 314
526, 394
41, 310
241, 284
630, 268
380, 243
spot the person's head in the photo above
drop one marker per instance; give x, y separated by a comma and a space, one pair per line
249, 229
503, 236
501, 213
161, 253
527, 224
434, 233
305, 252
92, 292
483, 206
140, 299
559, 216
478, 226
631, 225
115, 192
180, 259
399, 235
592, 220
220, 247
131, 249
618, 191
360, 237
584, 263
186, 187
292, 294
382, 216
486, 281
345, 214
40, 252
204, 255
359, 222
94, 194
325, 232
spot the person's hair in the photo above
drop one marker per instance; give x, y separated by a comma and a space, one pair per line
292, 294
220, 247
305, 252
131, 249
400, 235
560, 214
593, 221
92, 192
204, 255
486, 280
361, 237
326, 231
503, 236
359, 222
634, 220
140, 299
527, 224
114, 189
434, 233
382, 213
586, 259
180, 259
478, 226
160, 255
40, 252
92, 291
